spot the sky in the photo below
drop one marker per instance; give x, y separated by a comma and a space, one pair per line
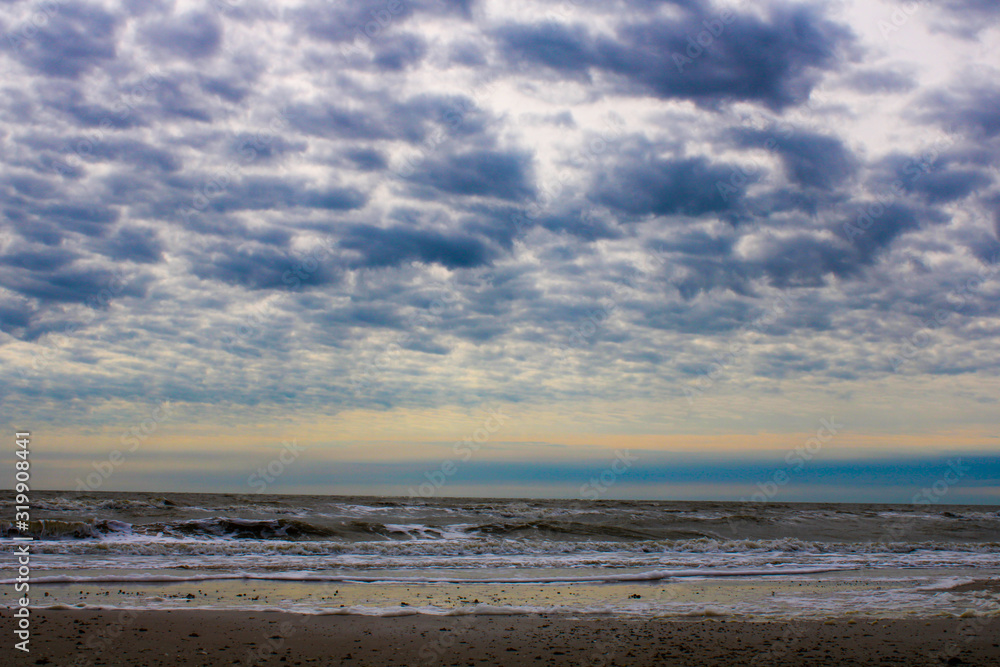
591, 249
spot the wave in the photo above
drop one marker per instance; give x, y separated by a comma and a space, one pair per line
60, 504
56, 529
580, 530
300, 529
234, 535
427, 610
630, 524
650, 575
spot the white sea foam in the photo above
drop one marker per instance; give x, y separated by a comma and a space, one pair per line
946, 584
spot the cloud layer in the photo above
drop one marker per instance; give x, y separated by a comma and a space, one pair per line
425, 203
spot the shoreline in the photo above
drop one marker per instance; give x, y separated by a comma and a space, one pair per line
857, 594
210, 637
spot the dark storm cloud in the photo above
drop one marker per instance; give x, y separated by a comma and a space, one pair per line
261, 193
38, 258
775, 61
480, 173
231, 89
694, 243
943, 186
15, 316
641, 183
178, 97
973, 109
72, 40
193, 35
329, 120
30, 186
938, 180
256, 267
399, 52
133, 244
888, 222
386, 247
707, 272
249, 146
810, 159
91, 220
566, 49
468, 54
366, 159
69, 284
128, 151
66, 96
581, 223
806, 261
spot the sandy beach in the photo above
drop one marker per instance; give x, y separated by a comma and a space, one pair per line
203, 637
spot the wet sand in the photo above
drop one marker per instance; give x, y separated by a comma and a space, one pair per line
850, 593
204, 637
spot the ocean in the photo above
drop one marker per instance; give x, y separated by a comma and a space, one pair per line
392, 556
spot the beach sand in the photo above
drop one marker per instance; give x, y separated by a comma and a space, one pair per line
208, 637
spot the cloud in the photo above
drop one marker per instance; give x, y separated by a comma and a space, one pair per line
640, 183
449, 181
971, 108
810, 159
73, 39
134, 244
503, 174
393, 246
875, 81
191, 36
68, 284
259, 267
775, 60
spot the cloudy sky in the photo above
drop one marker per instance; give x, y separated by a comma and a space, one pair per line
725, 240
